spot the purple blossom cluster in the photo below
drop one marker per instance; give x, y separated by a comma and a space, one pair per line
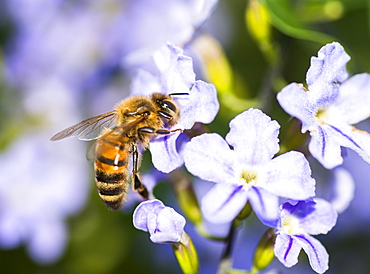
62, 57
246, 170
249, 173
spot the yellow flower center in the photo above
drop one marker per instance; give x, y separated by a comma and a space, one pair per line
248, 178
290, 225
322, 116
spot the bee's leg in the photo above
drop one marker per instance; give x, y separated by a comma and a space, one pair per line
165, 115
151, 130
137, 185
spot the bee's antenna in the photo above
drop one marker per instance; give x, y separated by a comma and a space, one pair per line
180, 93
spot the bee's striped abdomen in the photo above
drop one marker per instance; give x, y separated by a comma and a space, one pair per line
111, 169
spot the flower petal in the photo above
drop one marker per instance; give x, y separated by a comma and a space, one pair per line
144, 83
172, 73
324, 148
165, 155
316, 252
342, 189
348, 136
140, 216
321, 220
286, 249
201, 105
254, 137
265, 205
326, 71
209, 157
175, 69
223, 203
203, 10
169, 226
289, 176
352, 104
295, 101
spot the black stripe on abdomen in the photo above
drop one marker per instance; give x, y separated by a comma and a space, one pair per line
111, 162
108, 189
112, 178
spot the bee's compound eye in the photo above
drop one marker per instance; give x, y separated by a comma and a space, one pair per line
168, 105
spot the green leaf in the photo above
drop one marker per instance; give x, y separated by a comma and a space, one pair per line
286, 20
258, 24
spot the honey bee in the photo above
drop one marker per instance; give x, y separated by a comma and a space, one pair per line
120, 133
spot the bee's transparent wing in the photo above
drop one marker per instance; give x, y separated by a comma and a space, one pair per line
90, 152
89, 129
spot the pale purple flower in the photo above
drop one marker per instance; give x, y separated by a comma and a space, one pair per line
172, 72
82, 39
163, 223
54, 39
336, 185
146, 25
248, 172
298, 221
356, 217
39, 189
42, 183
332, 103
343, 189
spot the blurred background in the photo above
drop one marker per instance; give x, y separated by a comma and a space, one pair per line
62, 61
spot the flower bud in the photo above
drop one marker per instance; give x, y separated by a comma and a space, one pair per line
186, 255
264, 253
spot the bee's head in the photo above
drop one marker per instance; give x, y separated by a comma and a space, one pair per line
168, 109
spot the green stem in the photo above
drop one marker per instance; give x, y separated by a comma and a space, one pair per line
225, 262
